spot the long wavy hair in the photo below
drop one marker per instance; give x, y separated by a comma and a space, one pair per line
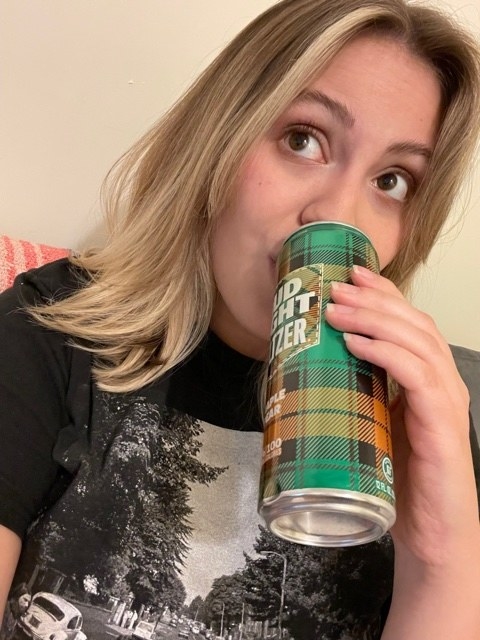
148, 295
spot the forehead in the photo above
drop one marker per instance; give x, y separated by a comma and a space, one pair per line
379, 77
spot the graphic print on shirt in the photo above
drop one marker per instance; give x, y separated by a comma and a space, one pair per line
157, 538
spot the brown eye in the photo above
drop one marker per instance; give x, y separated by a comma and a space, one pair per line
387, 182
304, 144
298, 140
395, 185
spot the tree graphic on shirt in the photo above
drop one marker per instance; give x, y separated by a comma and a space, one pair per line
328, 593
125, 518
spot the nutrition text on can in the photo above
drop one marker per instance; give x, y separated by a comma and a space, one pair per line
327, 476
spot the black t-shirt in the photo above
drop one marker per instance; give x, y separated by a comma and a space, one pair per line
142, 507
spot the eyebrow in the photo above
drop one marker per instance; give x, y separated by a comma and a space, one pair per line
336, 108
414, 148
341, 113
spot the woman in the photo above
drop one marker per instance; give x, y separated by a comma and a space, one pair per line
358, 111
18, 604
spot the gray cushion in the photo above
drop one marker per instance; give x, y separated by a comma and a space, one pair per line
468, 364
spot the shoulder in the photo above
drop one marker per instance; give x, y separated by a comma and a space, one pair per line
30, 352
55, 280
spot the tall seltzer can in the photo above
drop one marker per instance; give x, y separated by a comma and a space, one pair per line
327, 476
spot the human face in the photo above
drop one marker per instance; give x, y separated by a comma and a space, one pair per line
24, 602
351, 148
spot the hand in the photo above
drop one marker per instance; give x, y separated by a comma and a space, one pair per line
437, 516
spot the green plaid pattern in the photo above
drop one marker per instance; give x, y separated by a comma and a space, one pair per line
332, 418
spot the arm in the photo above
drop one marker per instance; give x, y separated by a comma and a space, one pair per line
10, 546
439, 596
437, 533
33, 379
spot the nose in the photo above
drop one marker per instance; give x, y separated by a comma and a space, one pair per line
340, 201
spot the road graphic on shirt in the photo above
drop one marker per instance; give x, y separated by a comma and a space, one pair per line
158, 537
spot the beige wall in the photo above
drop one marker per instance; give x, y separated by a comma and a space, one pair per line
81, 79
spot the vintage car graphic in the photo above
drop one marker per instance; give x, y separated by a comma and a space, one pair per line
50, 617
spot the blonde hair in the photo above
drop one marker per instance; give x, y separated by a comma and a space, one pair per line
149, 293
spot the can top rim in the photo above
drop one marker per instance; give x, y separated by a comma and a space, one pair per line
323, 223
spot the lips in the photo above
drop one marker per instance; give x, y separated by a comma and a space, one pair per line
274, 268
275, 253
278, 246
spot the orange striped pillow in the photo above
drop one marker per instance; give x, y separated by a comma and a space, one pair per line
20, 255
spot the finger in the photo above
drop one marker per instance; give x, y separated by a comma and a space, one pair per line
406, 332
381, 295
358, 296
402, 365
366, 278
432, 386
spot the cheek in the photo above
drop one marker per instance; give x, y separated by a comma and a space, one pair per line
221, 247
258, 183
388, 245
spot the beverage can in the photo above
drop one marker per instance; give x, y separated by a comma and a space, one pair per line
327, 477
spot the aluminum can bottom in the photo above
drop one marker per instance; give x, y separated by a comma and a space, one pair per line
328, 517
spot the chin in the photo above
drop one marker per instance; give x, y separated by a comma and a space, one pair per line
263, 335
256, 339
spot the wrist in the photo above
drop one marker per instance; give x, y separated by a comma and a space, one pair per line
440, 601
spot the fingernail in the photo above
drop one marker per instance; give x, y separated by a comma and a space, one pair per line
343, 286
339, 308
355, 338
362, 271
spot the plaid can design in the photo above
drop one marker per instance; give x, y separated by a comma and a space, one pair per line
327, 424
